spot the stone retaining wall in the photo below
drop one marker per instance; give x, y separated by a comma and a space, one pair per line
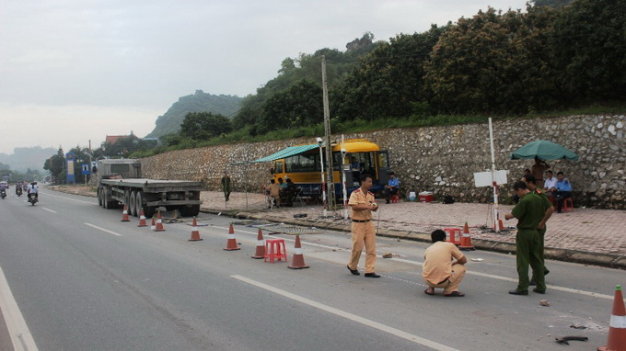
441, 159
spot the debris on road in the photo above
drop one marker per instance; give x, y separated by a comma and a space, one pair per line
545, 303
477, 259
564, 340
387, 255
578, 326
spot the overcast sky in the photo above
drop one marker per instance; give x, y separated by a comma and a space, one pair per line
75, 70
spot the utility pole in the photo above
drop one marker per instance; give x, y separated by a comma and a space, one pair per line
330, 187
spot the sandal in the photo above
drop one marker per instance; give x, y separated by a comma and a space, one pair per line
429, 293
454, 294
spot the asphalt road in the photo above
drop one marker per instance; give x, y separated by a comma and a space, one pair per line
83, 280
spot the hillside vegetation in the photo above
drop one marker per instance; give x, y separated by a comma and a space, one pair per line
553, 58
168, 123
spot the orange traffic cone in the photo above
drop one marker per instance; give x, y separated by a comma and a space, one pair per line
454, 235
466, 228
195, 234
142, 220
297, 262
153, 225
125, 214
466, 242
260, 246
231, 242
159, 223
617, 329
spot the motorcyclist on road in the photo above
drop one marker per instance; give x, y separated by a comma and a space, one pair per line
3, 188
18, 188
33, 189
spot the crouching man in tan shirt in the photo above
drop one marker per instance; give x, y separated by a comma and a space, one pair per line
443, 266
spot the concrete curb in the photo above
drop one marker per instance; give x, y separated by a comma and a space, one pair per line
566, 255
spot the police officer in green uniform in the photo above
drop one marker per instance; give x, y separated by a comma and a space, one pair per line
529, 213
531, 183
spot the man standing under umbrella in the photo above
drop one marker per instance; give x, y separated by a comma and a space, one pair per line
538, 169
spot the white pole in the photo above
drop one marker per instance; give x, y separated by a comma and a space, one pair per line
343, 181
323, 185
493, 179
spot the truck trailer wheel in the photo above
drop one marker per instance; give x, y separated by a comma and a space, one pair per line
138, 203
109, 203
189, 211
132, 210
100, 197
149, 211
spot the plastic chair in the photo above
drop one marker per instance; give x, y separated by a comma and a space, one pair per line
275, 250
568, 205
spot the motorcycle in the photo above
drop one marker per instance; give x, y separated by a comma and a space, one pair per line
18, 191
3, 194
32, 198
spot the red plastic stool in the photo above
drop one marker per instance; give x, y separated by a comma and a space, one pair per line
454, 235
568, 204
275, 249
395, 198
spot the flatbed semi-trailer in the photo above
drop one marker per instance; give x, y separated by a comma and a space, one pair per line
119, 185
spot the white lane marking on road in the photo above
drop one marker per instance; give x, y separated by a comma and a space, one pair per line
21, 337
486, 275
337, 248
49, 210
103, 229
493, 276
69, 198
347, 315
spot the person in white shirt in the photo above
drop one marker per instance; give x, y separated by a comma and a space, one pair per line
33, 189
549, 186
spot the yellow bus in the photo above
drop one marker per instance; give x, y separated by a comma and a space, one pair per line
302, 165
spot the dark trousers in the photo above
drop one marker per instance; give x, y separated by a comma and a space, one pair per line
528, 253
389, 192
542, 236
560, 197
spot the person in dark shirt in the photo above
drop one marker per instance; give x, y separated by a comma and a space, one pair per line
529, 213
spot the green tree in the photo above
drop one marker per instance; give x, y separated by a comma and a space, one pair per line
204, 125
389, 80
301, 105
56, 166
551, 3
494, 62
589, 44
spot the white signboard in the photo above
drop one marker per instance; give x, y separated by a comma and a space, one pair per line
484, 178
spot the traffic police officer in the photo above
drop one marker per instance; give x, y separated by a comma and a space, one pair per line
363, 203
529, 212
531, 183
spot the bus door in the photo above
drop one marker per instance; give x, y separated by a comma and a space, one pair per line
279, 169
382, 165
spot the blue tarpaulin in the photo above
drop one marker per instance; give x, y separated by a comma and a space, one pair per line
287, 152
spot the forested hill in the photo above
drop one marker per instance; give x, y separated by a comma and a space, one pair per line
553, 55
168, 123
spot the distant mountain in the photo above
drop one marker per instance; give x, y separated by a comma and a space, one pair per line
24, 158
226, 105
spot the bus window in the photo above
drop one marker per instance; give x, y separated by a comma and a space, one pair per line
383, 159
301, 163
278, 167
